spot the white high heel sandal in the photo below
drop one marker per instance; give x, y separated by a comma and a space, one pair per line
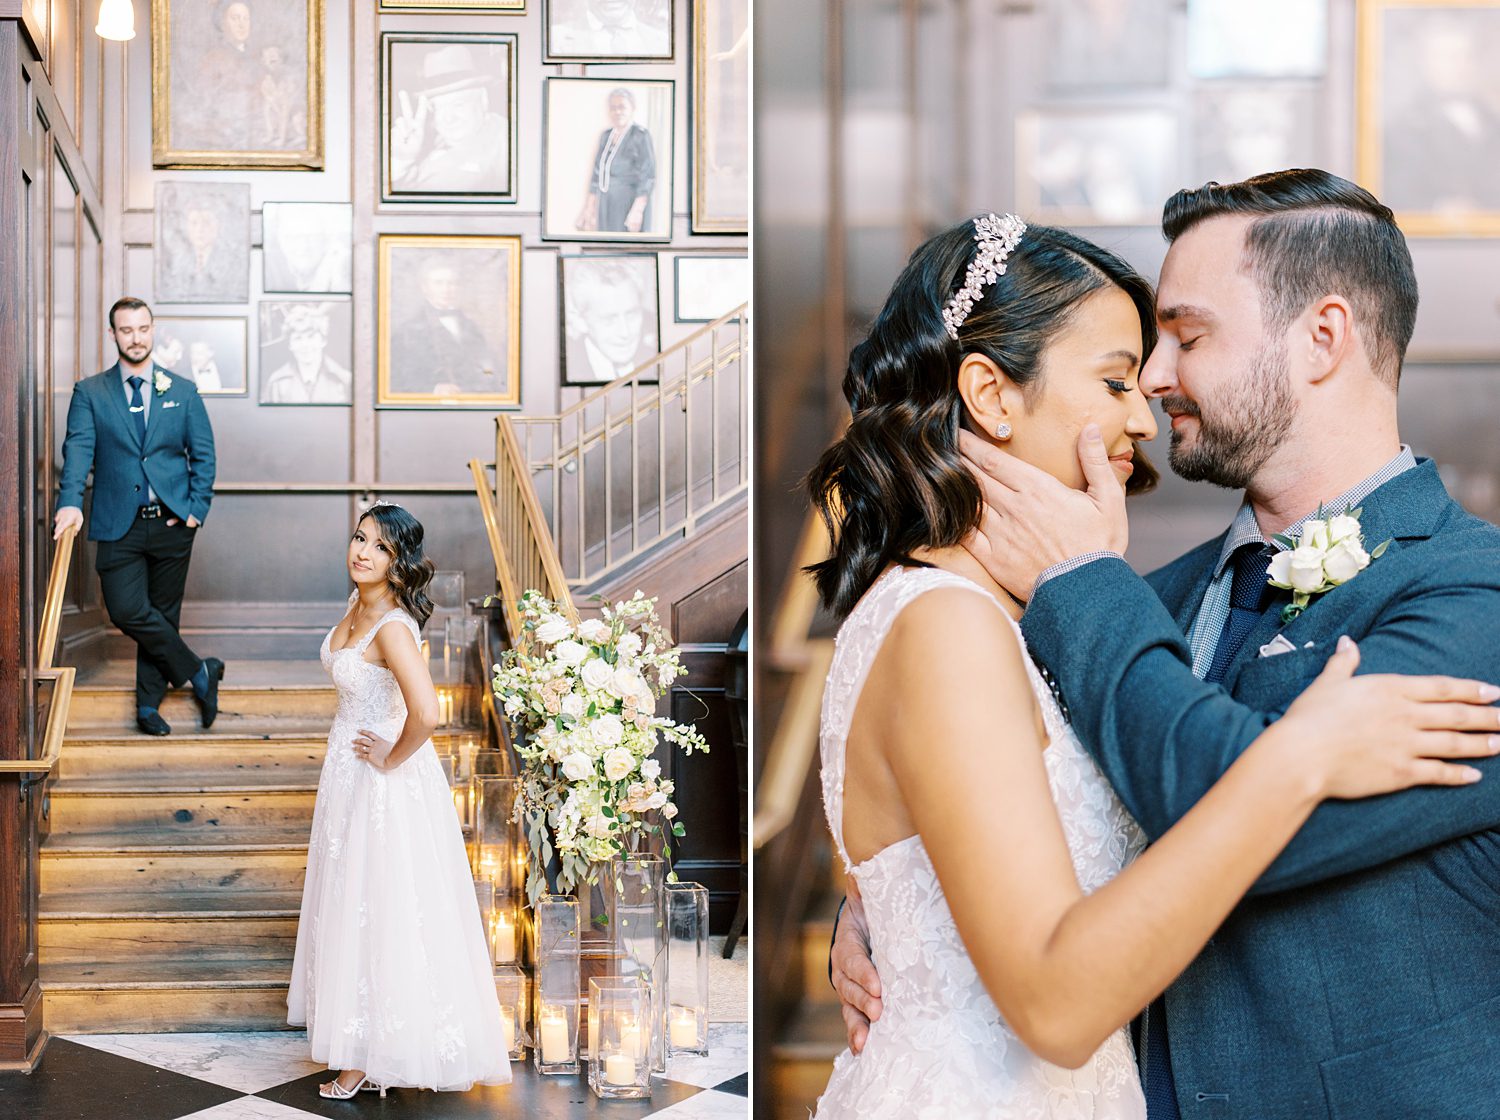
334, 1091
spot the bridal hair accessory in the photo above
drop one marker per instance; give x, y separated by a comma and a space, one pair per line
1002, 432
997, 238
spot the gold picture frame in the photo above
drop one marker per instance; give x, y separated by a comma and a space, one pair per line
433, 293
242, 82
720, 53
1423, 145
507, 7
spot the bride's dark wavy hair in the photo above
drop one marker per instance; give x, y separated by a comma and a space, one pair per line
410, 571
895, 481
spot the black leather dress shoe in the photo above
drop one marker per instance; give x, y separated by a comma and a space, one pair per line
153, 724
208, 703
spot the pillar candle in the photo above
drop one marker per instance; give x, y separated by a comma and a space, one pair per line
684, 1027
508, 1028
554, 1032
504, 938
619, 1069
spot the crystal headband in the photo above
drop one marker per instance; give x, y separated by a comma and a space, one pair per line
997, 238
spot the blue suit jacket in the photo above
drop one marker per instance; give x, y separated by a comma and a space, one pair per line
1361, 978
177, 459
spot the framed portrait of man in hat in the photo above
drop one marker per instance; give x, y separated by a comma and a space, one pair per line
448, 107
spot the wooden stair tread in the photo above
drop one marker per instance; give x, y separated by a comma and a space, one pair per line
166, 975
225, 902
227, 731
171, 785
132, 842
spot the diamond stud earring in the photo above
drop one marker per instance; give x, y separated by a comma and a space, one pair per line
1002, 432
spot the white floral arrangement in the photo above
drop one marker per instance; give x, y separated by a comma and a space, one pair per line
1327, 552
580, 700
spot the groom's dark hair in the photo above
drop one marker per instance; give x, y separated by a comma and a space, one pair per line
1317, 234
895, 482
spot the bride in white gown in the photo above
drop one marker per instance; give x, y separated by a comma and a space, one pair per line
986, 847
392, 974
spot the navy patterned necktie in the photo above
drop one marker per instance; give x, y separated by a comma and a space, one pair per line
1247, 602
138, 406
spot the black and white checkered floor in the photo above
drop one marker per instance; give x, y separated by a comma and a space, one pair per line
268, 1076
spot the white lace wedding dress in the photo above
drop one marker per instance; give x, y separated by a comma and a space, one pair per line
392, 974
940, 1050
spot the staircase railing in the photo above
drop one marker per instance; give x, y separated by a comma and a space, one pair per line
61, 676
641, 460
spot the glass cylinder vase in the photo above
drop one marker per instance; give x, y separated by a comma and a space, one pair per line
497, 838
636, 909
555, 1032
510, 987
620, 1069
687, 968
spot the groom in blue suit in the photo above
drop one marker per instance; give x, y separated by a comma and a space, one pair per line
1361, 978
144, 434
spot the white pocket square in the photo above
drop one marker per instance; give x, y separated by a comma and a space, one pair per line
1278, 644
170, 404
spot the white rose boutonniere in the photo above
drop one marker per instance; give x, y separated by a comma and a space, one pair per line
161, 382
1326, 553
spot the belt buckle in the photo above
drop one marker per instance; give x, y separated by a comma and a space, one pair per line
149, 511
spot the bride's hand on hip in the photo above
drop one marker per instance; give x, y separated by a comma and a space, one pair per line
370, 747
1031, 521
853, 972
1381, 733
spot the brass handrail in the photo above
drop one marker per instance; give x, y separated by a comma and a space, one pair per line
651, 363
61, 675
619, 471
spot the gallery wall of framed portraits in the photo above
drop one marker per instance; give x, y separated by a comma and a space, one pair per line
370, 226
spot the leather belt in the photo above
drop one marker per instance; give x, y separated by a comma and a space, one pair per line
155, 509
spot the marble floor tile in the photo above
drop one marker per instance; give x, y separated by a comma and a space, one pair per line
707, 1106
728, 1056
245, 1060
250, 1108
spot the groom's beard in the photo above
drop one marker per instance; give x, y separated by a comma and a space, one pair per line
1244, 430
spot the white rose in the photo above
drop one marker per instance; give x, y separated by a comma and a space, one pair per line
1341, 528
578, 767
597, 674
629, 644
553, 628
669, 810
651, 769
571, 653
598, 826
1314, 535
1280, 570
572, 705
626, 683
656, 800
1306, 572
618, 762
593, 631
1345, 561
607, 730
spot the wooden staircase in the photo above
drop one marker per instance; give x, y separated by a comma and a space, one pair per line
171, 876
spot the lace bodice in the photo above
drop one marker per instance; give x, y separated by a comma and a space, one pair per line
370, 690
941, 1048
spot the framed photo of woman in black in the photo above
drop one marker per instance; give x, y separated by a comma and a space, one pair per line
608, 160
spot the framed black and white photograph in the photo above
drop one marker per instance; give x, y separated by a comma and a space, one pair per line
608, 31
506, 7
1096, 167
721, 116
1241, 129
608, 160
707, 287
611, 319
448, 107
1108, 44
1428, 111
1266, 39
237, 84
307, 246
208, 351
306, 349
202, 250
448, 325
